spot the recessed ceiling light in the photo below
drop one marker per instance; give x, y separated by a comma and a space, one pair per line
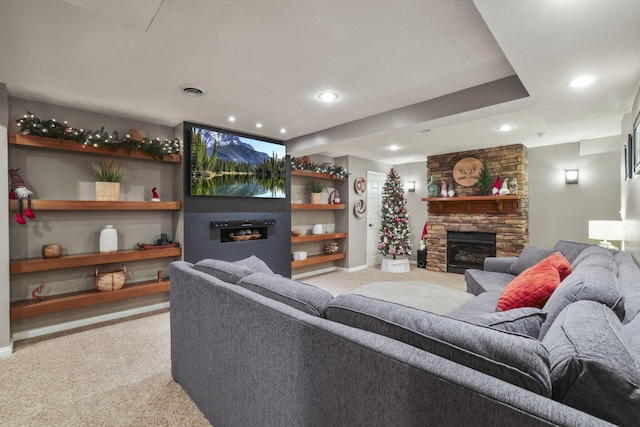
393, 147
581, 81
328, 96
192, 90
283, 130
258, 125
505, 128
232, 119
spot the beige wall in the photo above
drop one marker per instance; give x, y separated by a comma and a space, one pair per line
415, 206
630, 197
560, 211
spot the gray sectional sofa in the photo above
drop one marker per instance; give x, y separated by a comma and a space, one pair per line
255, 349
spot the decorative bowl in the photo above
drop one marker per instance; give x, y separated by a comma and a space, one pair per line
296, 232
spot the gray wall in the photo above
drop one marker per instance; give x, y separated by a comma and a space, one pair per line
561, 211
5, 335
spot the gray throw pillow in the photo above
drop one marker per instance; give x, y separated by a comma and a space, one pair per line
591, 367
530, 256
513, 358
523, 321
587, 282
255, 264
302, 296
223, 270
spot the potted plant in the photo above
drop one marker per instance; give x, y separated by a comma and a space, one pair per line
107, 173
316, 188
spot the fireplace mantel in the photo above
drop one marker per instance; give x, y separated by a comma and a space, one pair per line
473, 204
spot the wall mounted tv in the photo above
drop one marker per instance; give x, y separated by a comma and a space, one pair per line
229, 164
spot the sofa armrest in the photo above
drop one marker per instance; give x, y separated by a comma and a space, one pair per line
498, 264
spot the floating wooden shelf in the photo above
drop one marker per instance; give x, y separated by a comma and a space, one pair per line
93, 205
317, 259
317, 206
473, 204
312, 174
29, 265
318, 237
68, 145
30, 308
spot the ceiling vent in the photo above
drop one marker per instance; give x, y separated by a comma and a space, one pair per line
192, 90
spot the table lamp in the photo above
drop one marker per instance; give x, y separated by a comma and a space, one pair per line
605, 230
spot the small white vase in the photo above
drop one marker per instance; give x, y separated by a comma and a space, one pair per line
108, 240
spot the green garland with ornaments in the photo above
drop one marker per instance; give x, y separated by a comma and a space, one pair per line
33, 125
333, 170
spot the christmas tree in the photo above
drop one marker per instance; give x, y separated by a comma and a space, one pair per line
395, 237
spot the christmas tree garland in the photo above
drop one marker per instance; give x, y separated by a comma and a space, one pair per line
33, 125
337, 171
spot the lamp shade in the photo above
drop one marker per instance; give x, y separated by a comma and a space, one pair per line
605, 230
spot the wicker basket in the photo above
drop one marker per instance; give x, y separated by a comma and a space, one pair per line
111, 280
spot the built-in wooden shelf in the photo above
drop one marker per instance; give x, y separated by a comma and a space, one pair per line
317, 206
312, 174
31, 308
317, 237
93, 205
473, 204
68, 145
29, 265
317, 259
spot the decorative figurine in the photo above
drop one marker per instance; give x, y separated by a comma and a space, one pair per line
451, 191
496, 186
513, 186
443, 189
20, 191
154, 193
37, 292
504, 190
432, 188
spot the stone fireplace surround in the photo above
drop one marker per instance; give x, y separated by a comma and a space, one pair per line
512, 229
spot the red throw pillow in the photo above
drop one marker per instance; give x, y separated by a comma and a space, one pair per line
534, 286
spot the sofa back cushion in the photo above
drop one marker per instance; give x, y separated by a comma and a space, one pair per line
530, 256
534, 286
223, 270
514, 358
255, 264
629, 281
591, 366
586, 282
570, 249
304, 297
524, 321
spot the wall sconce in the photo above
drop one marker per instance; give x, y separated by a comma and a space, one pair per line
605, 230
571, 176
411, 186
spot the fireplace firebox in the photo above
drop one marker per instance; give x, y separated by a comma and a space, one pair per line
468, 249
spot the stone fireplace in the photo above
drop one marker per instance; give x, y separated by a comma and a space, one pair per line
468, 249
470, 212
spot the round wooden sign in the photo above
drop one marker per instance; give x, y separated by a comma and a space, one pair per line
467, 171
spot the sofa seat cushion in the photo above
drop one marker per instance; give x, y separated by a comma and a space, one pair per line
534, 286
510, 357
587, 282
591, 366
307, 298
223, 270
479, 281
530, 256
524, 321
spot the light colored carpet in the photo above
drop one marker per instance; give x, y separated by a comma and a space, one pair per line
421, 295
114, 374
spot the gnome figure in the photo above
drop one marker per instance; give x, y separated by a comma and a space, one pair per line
20, 191
496, 186
504, 190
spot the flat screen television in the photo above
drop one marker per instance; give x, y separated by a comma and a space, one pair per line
230, 164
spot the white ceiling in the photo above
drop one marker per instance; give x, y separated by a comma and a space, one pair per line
266, 61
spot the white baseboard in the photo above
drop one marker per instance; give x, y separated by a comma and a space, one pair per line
358, 268
313, 273
85, 322
6, 351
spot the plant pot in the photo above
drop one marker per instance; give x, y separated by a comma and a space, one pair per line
316, 198
107, 191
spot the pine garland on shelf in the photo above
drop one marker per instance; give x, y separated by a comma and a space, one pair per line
337, 171
395, 235
33, 125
